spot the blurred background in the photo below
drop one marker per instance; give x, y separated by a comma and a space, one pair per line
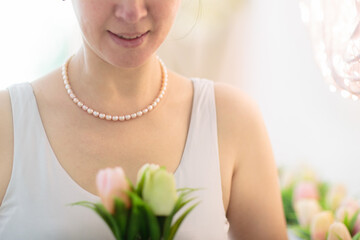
261, 47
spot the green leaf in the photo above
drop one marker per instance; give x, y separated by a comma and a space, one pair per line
149, 227
181, 202
287, 199
178, 222
338, 237
301, 232
357, 236
109, 219
84, 204
134, 221
323, 189
346, 220
140, 185
182, 189
168, 220
103, 213
121, 216
145, 227
161, 220
132, 188
188, 190
152, 221
353, 221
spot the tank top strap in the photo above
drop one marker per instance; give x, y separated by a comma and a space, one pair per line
40, 191
202, 137
203, 125
35, 163
200, 166
28, 140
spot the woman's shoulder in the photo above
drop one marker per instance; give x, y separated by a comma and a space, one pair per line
240, 123
236, 109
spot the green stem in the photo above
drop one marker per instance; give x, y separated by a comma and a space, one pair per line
161, 220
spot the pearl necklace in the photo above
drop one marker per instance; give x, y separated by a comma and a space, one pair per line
104, 116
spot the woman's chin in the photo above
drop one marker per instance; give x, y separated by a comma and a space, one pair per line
129, 60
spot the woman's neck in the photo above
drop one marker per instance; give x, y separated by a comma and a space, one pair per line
111, 87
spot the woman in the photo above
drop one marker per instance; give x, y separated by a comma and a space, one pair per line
209, 135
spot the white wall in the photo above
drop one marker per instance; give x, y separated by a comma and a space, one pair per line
36, 36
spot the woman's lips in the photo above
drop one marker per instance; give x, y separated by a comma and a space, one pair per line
128, 43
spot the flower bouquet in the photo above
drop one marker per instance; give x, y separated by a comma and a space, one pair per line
317, 210
145, 211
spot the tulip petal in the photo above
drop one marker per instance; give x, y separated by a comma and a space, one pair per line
320, 224
338, 230
112, 183
159, 191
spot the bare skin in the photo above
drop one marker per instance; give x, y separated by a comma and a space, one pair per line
249, 183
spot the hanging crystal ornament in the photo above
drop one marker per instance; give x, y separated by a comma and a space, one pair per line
335, 32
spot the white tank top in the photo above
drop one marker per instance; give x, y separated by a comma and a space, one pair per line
34, 205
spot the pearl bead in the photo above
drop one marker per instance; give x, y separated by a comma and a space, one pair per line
80, 104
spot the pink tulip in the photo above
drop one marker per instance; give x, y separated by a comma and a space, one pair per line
320, 224
305, 190
356, 226
338, 231
335, 196
348, 207
111, 183
305, 210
